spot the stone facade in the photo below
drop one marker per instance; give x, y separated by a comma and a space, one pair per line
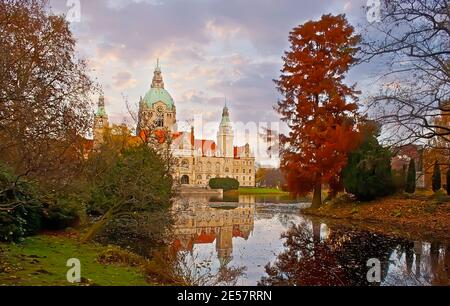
199, 170
199, 160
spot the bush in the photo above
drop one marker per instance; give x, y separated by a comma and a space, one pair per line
411, 178
117, 256
20, 213
59, 217
226, 184
368, 174
436, 179
20, 222
135, 186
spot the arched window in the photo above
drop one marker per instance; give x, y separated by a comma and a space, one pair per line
208, 167
159, 122
185, 180
200, 166
227, 170
199, 177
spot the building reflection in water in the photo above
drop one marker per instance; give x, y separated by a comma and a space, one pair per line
199, 221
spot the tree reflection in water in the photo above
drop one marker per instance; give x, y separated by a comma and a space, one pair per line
341, 259
183, 268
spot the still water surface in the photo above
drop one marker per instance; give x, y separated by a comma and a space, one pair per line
247, 234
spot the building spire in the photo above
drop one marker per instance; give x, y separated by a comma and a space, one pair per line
101, 111
157, 77
226, 112
101, 101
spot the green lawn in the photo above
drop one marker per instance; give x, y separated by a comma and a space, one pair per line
41, 261
261, 191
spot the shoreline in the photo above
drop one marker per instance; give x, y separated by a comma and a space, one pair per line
413, 218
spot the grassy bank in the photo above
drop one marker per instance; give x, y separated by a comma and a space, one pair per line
415, 216
41, 261
257, 191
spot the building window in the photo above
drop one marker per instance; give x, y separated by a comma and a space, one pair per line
227, 170
160, 122
185, 180
243, 171
250, 171
199, 177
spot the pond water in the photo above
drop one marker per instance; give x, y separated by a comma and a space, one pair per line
237, 240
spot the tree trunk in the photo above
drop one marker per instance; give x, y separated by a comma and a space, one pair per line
317, 198
96, 227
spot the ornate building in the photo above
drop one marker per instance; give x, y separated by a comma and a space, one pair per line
157, 109
198, 160
101, 122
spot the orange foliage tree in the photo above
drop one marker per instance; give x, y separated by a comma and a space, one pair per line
320, 110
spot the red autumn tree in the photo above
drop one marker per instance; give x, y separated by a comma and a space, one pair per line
319, 108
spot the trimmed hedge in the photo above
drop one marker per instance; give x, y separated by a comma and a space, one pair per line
226, 184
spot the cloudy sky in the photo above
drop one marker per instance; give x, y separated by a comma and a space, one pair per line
209, 50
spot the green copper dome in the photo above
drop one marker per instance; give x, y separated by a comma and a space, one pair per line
155, 95
101, 111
